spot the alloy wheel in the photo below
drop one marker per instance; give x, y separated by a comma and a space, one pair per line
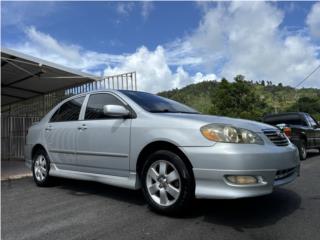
303, 152
163, 183
40, 168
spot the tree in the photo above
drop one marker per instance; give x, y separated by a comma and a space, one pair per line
308, 105
237, 99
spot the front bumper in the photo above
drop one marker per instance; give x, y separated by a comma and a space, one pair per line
274, 165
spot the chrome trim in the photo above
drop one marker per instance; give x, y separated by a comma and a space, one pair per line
90, 153
102, 154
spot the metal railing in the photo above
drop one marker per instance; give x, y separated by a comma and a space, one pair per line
13, 135
39, 106
18, 117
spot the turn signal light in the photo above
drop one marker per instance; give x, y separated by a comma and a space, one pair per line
211, 135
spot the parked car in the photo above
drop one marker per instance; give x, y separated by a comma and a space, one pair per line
138, 140
301, 128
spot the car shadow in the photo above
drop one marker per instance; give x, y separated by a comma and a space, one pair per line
86, 188
245, 213
238, 213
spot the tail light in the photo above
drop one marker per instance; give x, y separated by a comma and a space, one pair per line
287, 131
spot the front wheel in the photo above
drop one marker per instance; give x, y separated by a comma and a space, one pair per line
40, 168
168, 185
302, 150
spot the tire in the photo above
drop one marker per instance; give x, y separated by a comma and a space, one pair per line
41, 168
167, 183
302, 149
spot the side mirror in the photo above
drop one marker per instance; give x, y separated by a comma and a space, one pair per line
115, 111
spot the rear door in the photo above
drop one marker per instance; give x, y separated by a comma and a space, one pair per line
103, 142
60, 134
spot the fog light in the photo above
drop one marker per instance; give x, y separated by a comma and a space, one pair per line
242, 180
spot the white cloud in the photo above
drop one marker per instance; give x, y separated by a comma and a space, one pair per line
153, 71
17, 14
231, 38
313, 20
246, 38
146, 8
44, 46
124, 8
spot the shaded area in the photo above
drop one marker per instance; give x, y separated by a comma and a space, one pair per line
251, 212
14, 169
85, 188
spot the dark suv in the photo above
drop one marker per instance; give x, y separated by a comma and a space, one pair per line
301, 128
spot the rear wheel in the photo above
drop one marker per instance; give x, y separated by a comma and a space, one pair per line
167, 183
302, 147
40, 168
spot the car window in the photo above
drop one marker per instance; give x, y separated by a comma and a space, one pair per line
311, 121
69, 111
94, 109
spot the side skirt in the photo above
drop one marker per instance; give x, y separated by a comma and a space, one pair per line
131, 182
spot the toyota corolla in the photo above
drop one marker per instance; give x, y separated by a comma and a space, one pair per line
173, 153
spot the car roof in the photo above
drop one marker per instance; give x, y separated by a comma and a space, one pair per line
284, 113
281, 116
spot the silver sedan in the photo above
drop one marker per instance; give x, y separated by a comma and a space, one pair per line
139, 140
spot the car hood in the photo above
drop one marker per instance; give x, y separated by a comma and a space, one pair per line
237, 122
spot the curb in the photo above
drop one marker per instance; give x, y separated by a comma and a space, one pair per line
14, 177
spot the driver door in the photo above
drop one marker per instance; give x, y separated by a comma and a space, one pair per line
103, 142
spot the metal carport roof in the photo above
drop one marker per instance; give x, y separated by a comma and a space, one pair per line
24, 77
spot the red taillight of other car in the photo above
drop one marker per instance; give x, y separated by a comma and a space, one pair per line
287, 131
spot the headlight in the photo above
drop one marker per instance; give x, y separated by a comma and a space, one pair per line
229, 134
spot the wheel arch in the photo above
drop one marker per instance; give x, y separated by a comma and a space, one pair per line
303, 137
161, 145
37, 147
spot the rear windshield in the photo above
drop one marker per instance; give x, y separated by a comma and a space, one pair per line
156, 104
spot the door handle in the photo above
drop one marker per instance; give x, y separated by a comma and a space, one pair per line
49, 128
82, 127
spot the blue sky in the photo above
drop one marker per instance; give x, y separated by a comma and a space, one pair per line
171, 44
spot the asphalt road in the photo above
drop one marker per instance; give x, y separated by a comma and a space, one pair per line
85, 210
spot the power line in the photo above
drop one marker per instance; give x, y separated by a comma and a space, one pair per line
316, 69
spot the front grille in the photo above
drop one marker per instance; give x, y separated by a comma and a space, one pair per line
281, 174
277, 137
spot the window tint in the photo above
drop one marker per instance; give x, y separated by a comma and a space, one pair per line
156, 104
95, 105
311, 121
69, 111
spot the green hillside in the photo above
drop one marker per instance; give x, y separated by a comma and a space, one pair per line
246, 99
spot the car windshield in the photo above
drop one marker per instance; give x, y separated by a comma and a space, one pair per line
156, 104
